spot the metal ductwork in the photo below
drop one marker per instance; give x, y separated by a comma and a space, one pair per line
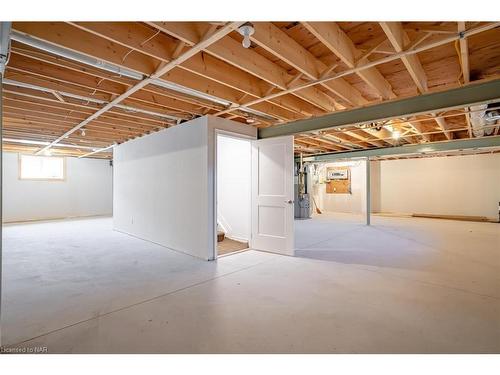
120, 71
72, 55
4, 45
257, 113
86, 99
483, 119
44, 143
97, 151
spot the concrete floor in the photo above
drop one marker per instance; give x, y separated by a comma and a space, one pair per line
401, 286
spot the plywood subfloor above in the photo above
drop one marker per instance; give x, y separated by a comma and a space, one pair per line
294, 71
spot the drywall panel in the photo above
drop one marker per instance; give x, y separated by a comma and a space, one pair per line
457, 185
164, 185
160, 187
233, 186
355, 202
86, 191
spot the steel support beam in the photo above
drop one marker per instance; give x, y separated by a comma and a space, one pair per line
4, 58
478, 93
462, 144
5, 29
1, 201
368, 193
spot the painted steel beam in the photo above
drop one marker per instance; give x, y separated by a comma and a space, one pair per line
462, 144
455, 98
4, 53
4, 44
368, 192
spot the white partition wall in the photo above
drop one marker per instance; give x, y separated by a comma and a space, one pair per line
164, 185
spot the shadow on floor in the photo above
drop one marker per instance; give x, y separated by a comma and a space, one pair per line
386, 259
348, 242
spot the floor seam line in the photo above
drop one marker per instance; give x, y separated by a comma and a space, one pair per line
429, 246
381, 272
433, 284
139, 303
330, 238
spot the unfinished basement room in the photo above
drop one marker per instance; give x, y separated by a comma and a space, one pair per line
250, 187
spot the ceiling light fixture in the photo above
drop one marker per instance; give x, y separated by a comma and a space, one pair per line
246, 30
396, 134
83, 132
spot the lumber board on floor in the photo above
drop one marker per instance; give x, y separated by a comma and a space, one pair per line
454, 217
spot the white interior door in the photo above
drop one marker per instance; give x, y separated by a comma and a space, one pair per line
272, 195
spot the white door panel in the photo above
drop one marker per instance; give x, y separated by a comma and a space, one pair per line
272, 195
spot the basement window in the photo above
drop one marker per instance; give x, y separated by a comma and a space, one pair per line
41, 168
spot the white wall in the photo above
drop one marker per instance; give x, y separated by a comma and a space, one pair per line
160, 187
233, 186
457, 185
164, 185
86, 191
350, 203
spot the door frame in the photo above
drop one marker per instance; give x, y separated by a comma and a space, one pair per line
229, 134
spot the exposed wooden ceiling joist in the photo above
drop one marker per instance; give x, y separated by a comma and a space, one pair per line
399, 40
209, 38
247, 60
464, 53
292, 71
332, 36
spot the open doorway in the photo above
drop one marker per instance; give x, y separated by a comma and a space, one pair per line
233, 193
338, 189
331, 200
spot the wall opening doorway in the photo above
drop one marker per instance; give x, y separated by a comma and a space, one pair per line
233, 193
338, 189
336, 206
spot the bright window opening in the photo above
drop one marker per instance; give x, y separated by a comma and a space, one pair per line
41, 168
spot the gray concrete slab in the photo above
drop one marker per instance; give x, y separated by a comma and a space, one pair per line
400, 286
57, 273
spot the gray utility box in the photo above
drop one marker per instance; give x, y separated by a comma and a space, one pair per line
302, 205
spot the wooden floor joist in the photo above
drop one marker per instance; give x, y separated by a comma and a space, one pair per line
292, 72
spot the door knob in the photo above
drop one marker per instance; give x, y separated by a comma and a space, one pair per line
289, 201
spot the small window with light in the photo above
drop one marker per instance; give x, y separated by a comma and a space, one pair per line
41, 168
